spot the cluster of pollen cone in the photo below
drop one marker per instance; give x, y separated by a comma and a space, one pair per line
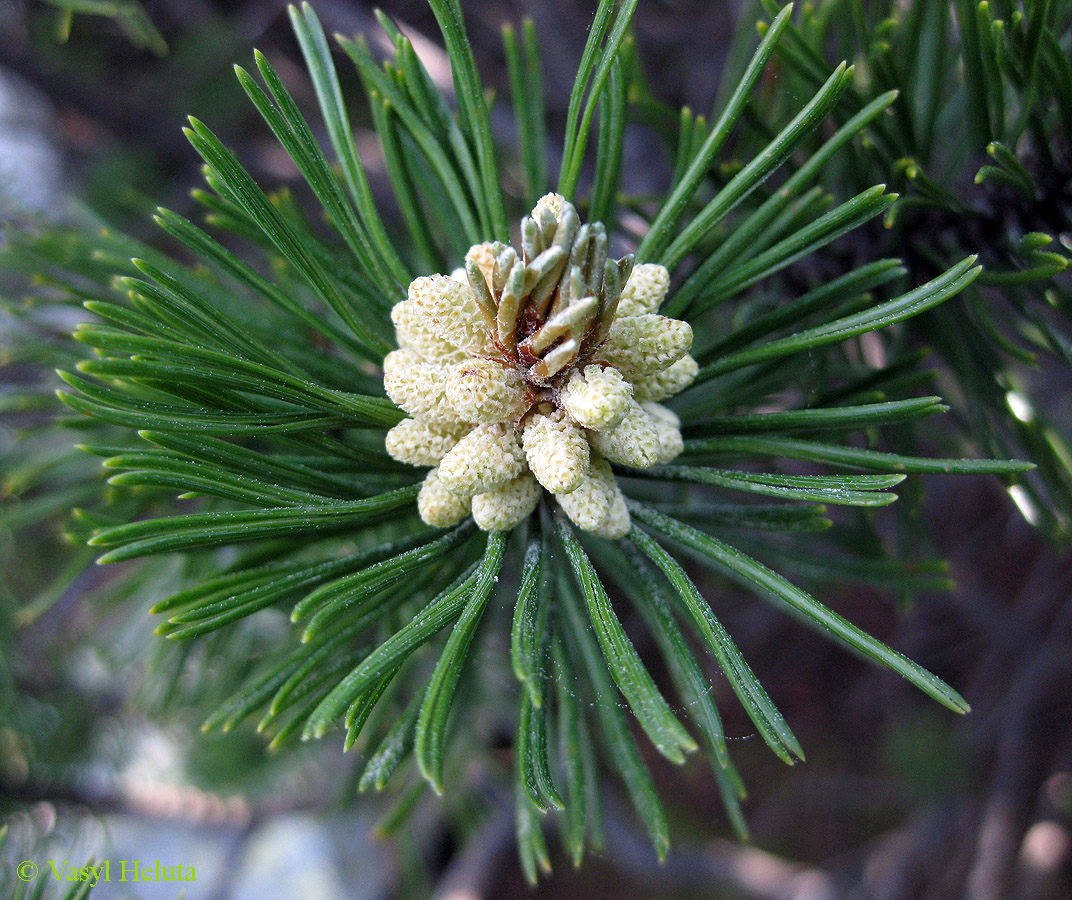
534, 371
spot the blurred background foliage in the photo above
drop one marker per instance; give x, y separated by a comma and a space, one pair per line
99, 722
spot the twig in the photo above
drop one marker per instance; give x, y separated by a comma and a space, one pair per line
719, 866
473, 873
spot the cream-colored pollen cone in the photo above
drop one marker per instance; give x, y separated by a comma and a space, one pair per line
529, 372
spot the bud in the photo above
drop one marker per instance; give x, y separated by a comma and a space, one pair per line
438, 506
556, 450
598, 398
481, 390
644, 291
589, 505
617, 522
668, 382
597, 505
640, 345
668, 428
506, 506
417, 333
486, 458
452, 311
553, 203
484, 257
418, 387
418, 442
633, 442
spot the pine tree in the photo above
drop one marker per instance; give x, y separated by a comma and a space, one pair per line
674, 392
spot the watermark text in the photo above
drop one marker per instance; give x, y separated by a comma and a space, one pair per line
109, 870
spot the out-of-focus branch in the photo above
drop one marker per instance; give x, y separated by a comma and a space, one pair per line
474, 872
719, 865
1036, 702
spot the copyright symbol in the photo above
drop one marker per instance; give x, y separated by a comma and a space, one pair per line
27, 871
